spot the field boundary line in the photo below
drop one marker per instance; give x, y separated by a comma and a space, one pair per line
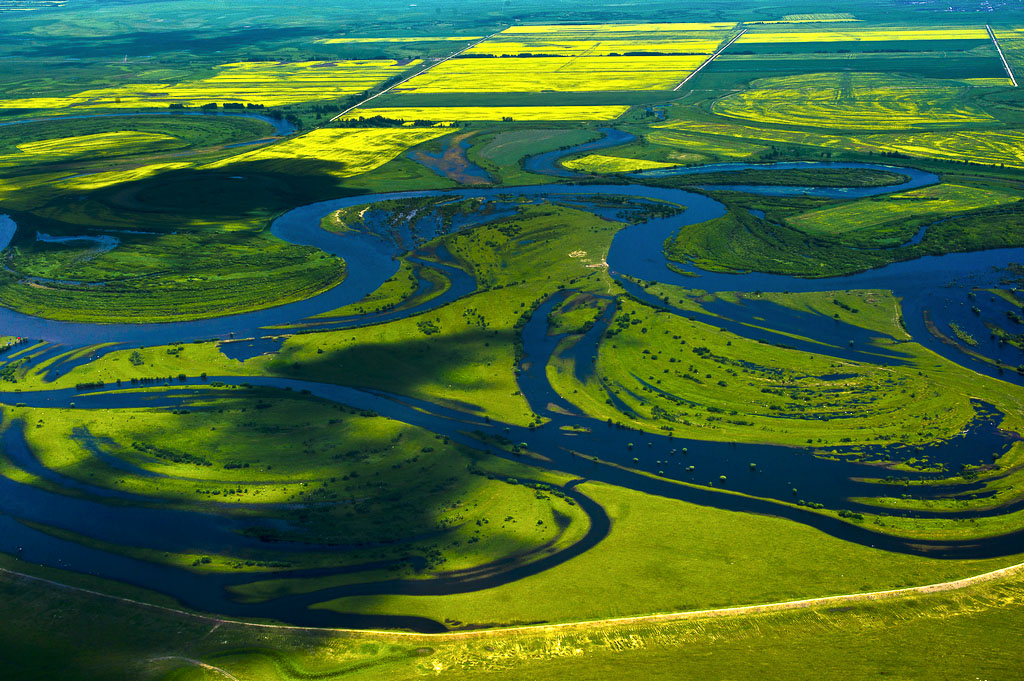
710, 59
1009, 71
780, 606
418, 73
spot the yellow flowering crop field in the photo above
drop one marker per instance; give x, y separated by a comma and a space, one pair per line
857, 33
619, 28
448, 114
594, 47
599, 163
267, 83
355, 150
555, 74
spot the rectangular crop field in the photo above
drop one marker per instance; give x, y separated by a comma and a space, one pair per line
738, 65
858, 38
859, 101
495, 113
605, 39
1011, 40
990, 147
558, 74
860, 33
594, 47
610, 30
344, 152
267, 83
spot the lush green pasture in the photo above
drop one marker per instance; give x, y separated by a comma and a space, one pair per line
502, 152
696, 381
901, 212
740, 241
51, 631
468, 362
161, 277
718, 561
397, 490
26, 145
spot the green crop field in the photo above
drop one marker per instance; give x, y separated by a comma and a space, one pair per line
852, 101
522, 340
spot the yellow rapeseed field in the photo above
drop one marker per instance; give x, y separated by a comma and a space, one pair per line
858, 33
619, 28
344, 152
595, 48
447, 114
557, 74
267, 83
599, 163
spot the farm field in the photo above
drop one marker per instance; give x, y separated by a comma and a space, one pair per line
247, 83
853, 101
449, 114
346, 151
1012, 43
522, 340
599, 163
860, 33
557, 74
990, 147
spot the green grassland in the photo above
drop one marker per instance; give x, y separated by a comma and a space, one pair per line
209, 256
807, 237
172, 276
501, 153
401, 483
471, 356
906, 208
699, 382
648, 559
55, 631
47, 142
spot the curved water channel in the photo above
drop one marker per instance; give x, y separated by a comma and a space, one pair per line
592, 450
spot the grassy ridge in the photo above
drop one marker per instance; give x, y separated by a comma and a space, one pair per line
53, 632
